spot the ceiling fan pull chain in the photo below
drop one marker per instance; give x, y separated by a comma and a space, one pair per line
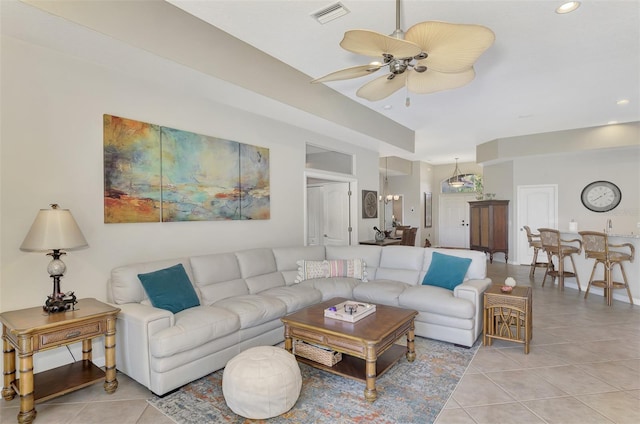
407, 100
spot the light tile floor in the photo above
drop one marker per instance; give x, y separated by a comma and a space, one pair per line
584, 364
584, 367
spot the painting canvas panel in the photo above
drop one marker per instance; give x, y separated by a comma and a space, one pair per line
200, 177
154, 173
131, 170
254, 182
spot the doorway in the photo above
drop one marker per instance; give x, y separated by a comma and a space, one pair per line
537, 207
453, 220
330, 210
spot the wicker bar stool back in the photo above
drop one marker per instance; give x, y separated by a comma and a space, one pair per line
400, 230
536, 244
409, 237
597, 246
554, 245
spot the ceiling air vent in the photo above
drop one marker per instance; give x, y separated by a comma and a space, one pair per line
329, 13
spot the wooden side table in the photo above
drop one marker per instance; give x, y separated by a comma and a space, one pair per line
28, 331
508, 316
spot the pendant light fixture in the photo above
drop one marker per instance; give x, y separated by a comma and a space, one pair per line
456, 180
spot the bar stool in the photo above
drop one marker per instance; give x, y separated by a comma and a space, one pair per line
536, 244
552, 243
596, 246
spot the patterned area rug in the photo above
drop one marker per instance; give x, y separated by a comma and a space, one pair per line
407, 393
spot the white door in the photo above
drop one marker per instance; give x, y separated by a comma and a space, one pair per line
336, 214
453, 220
315, 215
537, 207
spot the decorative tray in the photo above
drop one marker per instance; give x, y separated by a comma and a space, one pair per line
350, 311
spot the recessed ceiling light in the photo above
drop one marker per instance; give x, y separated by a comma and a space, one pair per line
387, 107
568, 7
612, 122
622, 102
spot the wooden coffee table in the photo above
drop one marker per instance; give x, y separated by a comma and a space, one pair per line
368, 346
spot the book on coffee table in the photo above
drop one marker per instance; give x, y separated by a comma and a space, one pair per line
350, 311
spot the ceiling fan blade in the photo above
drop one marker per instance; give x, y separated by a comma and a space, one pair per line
451, 47
381, 87
348, 73
371, 43
432, 81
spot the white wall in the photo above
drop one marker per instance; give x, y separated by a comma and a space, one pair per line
572, 172
51, 145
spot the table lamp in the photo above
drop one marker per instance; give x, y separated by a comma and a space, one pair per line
54, 230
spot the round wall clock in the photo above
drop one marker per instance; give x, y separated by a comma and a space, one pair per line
369, 204
601, 196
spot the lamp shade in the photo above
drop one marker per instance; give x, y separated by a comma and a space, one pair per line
53, 229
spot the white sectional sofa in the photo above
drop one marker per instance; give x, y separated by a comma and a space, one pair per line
244, 294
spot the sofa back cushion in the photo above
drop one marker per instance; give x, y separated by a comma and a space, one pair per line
218, 277
369, 254
287, 258
401, 263
258, 268
125, 286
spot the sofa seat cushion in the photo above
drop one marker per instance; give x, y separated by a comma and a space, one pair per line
333, 287
193, 327
254, 309
445, 321
436, 300
384, 292
295, 297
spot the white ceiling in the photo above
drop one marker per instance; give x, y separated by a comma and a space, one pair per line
545, 72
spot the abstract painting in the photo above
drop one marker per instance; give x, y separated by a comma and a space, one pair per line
200, 177
131, 170
180, 175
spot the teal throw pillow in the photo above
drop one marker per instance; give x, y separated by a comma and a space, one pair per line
446, 271
170, 289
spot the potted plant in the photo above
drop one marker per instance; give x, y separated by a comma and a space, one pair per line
477, 186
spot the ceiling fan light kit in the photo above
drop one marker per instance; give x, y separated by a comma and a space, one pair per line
441, 54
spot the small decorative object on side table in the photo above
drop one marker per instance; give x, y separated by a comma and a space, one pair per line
508, 315
28, 331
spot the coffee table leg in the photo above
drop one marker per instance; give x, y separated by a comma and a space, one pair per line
370, 393
411, 347
288, 341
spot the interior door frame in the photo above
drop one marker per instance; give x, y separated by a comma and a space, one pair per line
521, 245
332, 177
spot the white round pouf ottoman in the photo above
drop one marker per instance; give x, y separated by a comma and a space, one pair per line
261, 382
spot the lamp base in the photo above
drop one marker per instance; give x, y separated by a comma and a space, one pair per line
61, 303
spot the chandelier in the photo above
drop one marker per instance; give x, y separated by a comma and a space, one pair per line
457, 180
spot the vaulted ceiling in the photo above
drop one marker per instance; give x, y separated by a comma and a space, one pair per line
545, 72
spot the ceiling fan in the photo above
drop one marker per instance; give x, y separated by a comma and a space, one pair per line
432, 56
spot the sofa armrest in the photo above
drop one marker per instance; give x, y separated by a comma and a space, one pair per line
135, 324
472, 290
